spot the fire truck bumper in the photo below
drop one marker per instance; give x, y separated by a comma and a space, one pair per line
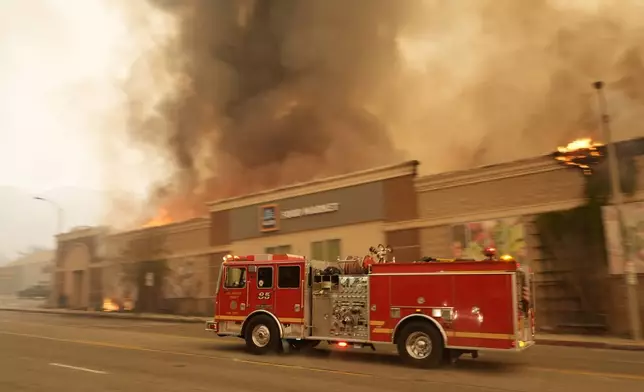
212, 326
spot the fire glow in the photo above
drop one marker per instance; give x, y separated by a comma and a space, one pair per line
581, 153
579, 144
110, 306
162, 218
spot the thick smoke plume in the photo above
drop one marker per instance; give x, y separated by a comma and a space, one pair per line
272, 92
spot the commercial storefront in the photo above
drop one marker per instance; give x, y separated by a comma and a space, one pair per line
173, 268
460, 213
157, 269
324, 219
451, 214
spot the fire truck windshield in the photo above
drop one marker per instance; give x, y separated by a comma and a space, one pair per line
235, 277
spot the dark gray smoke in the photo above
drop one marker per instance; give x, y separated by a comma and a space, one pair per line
279, 91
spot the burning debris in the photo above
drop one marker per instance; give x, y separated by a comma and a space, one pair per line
111, 305
581, 153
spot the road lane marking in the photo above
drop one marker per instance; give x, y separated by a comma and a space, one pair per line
131, 331
591, 373
78, 368
622, 376
179, 353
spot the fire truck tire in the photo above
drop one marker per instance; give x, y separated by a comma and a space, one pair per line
262, 335
420, 345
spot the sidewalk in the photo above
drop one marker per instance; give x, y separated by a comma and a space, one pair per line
601, 342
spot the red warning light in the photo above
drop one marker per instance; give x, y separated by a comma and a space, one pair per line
342, 344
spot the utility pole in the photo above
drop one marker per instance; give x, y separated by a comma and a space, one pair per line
630, 273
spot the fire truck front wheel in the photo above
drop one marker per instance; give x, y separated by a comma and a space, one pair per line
262, 335
420, 344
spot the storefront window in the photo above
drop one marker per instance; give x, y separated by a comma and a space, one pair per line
326, 250
317, 250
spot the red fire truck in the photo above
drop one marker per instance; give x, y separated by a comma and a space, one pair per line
433, 310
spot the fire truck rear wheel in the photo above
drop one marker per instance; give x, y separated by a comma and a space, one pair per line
420, 344
262, 335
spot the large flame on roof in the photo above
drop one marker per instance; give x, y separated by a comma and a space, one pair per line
581, 153
579, 144
162, 218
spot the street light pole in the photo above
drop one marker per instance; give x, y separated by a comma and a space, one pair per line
630, 274
59, 213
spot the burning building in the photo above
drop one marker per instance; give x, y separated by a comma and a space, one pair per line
174, 267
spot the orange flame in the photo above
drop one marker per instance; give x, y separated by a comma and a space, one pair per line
110, 306
580, 153
162, 218
579, 144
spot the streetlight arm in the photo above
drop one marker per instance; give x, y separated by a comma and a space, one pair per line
59, 211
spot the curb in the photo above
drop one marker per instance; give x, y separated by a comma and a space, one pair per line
587, 344
122, 316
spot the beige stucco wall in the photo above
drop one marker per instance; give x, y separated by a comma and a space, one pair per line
175, 240
184, 246
356, 240
77, 258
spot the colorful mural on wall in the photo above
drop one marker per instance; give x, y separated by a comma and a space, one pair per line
633, 214
506, 235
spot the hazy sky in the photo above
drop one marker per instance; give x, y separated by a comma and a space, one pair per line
61, 66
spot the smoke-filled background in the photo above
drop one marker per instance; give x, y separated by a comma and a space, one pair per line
279, 91
186, 101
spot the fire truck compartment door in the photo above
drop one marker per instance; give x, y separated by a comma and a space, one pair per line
484, 307
261, 289
289, 293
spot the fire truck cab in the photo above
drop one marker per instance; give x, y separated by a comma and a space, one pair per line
433, 310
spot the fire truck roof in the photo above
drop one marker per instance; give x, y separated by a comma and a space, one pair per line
264, 257
456, 266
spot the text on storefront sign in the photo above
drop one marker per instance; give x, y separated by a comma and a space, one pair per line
313, 210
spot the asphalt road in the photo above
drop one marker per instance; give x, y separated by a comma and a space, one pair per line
57, 353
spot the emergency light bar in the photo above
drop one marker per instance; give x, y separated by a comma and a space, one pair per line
264, 257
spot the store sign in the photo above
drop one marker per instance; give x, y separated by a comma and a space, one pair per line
149, 279
268, 217
313, 210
